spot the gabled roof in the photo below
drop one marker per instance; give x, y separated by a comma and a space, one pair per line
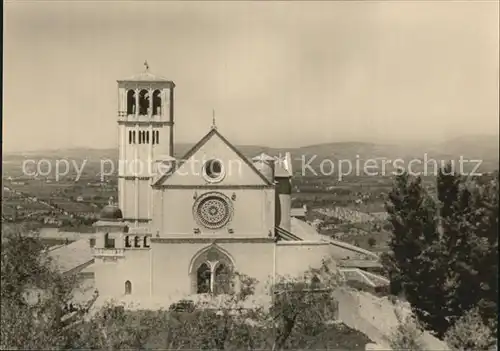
202, 142
146, 76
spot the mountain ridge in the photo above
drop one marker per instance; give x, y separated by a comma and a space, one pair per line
483, 148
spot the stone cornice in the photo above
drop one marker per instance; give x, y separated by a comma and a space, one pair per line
142, 220
153, 123
192, 240
213, 186
302, 243
137, 84
133, 177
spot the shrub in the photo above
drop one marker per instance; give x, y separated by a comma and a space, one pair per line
470, 333
372, 241
407, 335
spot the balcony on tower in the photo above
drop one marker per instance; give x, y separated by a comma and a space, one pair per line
109, 231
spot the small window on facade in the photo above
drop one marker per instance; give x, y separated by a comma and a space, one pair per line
136, 242
109, 243
133, 137
145, 244
157, 136
153, 137
147, 137
127, 241
128, 287
315, 282
130, 137
92, 242
213, 170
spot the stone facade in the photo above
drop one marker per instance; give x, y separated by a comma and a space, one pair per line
175, 233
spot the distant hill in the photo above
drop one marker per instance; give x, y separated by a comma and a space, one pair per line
477, 147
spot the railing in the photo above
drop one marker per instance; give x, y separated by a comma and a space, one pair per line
108, 252
141, 117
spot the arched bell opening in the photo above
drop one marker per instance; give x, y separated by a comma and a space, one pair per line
131, 102
143, 102
157, 103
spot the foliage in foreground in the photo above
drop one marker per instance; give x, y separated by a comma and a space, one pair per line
407, 335
32, 293
444, 251
299, 316
470, 333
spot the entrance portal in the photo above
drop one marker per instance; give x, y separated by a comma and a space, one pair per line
211, 272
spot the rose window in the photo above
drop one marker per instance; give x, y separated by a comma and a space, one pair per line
213, 210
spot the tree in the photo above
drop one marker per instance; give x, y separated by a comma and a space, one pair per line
296, 319
444, 252
33, 293
372, 242
301, 307
407, 334
470, 333
414, 263
299, 316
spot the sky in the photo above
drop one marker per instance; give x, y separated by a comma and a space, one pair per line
280, 74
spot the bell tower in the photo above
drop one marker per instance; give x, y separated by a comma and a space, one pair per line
146, 134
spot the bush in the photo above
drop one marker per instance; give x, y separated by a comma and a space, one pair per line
407, 335
372, 241
470, 333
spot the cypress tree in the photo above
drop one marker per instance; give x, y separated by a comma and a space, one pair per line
444, 254
416, 265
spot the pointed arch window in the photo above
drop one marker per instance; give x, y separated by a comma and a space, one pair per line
204, 279
212, 273
222, 277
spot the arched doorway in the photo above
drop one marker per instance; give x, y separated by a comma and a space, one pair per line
211, 272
